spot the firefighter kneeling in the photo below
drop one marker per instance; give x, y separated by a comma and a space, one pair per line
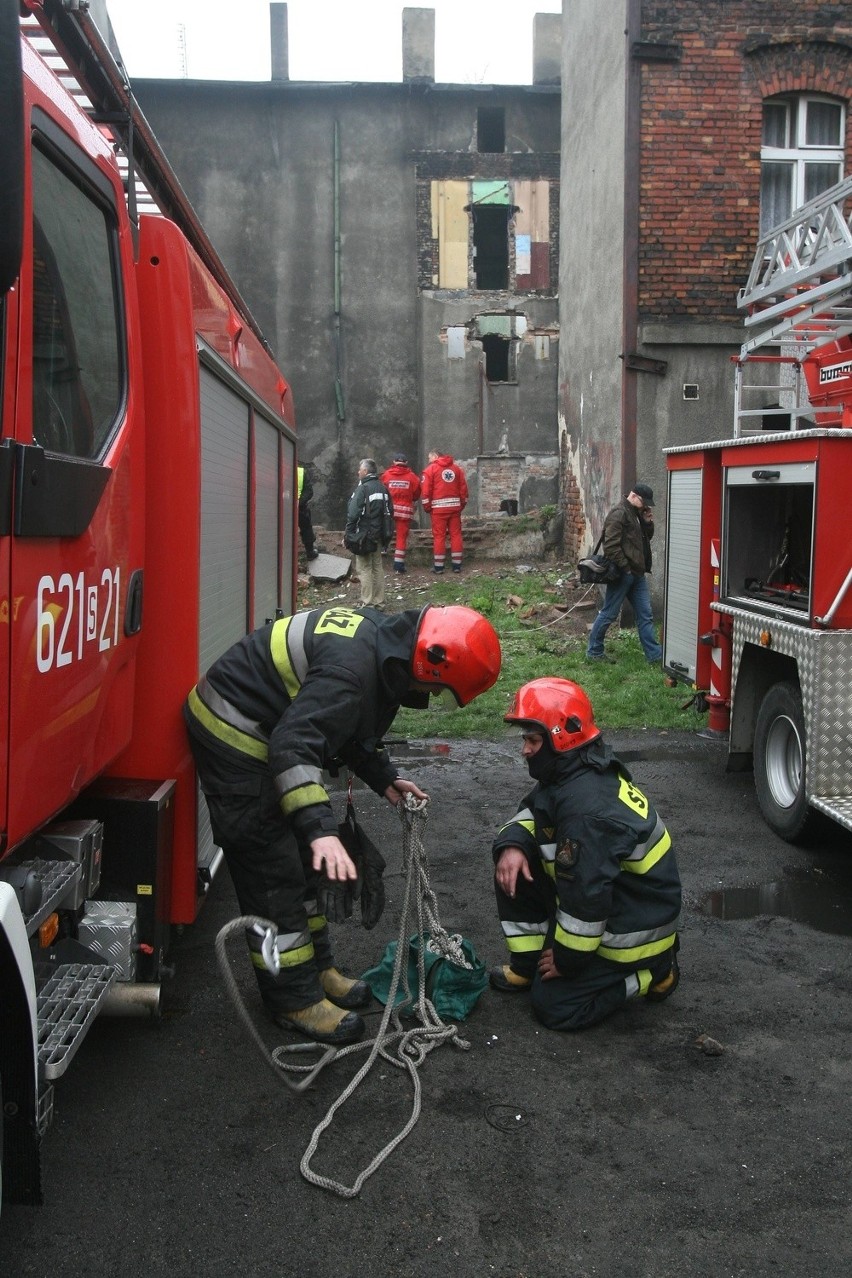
587, 885
281, 705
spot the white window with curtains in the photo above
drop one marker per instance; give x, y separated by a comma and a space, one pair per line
801, 154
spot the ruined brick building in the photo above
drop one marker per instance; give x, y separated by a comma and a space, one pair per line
399, 246
402, 243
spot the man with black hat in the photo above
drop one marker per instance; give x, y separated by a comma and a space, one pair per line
404, 488
628, 529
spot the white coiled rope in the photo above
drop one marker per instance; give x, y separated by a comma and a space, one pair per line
403, 1048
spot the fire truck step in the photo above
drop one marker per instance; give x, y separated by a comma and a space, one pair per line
69, 996
56, 878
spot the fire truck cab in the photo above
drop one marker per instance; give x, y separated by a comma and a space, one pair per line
758, 615
147, 521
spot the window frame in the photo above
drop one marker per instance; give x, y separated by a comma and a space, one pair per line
799, 153
77, 168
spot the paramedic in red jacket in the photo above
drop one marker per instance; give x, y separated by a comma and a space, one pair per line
443, 492
404, 488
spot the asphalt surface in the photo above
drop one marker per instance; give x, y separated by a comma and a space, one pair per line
706, 1136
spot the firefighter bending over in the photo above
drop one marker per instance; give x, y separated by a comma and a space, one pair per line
286, 702
587, 885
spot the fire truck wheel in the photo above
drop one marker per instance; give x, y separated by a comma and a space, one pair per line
779, 762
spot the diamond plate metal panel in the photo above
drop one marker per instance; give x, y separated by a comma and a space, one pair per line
824, 662
68, 999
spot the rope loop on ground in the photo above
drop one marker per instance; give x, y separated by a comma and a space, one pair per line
403, 1048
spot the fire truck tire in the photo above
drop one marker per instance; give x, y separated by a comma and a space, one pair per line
780, 757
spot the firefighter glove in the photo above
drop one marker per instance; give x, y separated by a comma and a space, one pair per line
334, 898
370, 865
372, 887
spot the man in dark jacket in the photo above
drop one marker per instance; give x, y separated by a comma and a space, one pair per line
587, 885
627, 534
299, 696
369, 528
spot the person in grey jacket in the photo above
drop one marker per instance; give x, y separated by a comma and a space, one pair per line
628, 529
369, 528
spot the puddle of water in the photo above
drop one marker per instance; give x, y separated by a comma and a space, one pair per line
815, 904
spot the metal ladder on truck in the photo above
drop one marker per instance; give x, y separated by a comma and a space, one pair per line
89, 66
798, 297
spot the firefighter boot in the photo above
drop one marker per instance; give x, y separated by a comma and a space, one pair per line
323, 1022
343, 991
502, 978
666, 986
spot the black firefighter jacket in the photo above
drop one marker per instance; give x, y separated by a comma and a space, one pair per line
304, 693
610, 857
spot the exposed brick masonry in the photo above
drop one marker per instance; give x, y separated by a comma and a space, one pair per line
701, 136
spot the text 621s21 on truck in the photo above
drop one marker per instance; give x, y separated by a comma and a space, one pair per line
147, 521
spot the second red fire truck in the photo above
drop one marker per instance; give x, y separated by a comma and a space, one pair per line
759, 579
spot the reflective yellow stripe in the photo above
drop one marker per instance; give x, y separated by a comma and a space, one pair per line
316, 922
231, 736
549, 867
638, 952
292, 958
524, 944
644, 976
281, 656
651, 857
588, 944
289, 958
302, 797
529, 826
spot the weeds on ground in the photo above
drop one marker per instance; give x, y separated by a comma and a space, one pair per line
629, 694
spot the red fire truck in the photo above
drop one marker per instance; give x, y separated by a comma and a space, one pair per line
147, 467
758, 611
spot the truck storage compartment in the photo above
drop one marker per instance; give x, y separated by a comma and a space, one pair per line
768, 540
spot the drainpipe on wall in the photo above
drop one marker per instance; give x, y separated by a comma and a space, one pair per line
338, 359
630, 273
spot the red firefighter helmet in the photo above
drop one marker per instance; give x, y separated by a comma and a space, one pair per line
456, 648
559, 708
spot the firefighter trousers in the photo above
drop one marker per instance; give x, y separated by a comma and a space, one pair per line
566, 1002
272, 876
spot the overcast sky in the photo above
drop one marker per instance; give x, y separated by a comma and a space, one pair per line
476, 41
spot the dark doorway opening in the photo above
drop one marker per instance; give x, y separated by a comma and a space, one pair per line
496, 350
491, 129
491, 246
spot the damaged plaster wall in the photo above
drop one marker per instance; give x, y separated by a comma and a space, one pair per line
591, 264
258, 163
486, 421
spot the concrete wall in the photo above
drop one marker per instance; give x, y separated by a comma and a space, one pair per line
258, 163
591, 266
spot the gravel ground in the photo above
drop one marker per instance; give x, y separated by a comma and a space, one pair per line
706, 1136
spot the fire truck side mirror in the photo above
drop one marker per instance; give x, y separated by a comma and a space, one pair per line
11, 146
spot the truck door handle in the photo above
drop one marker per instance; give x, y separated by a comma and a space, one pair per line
766, 474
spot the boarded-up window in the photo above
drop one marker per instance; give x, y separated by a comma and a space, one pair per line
450, 227
532, 235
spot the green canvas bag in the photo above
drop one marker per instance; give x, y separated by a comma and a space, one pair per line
452, 990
